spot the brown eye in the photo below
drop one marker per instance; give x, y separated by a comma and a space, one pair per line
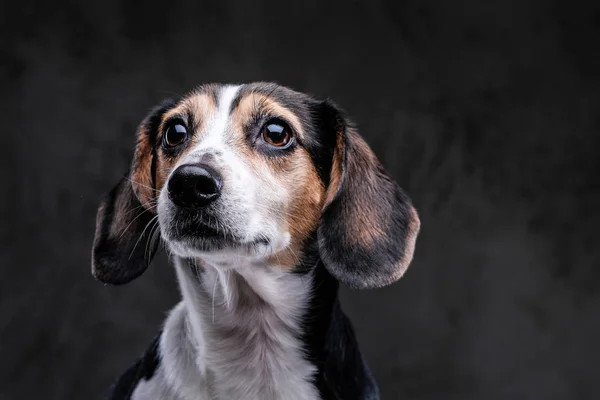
175, 135
276, 133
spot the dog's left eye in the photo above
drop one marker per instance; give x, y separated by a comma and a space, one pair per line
175, 135
276, 133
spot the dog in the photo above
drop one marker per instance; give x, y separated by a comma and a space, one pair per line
266, 199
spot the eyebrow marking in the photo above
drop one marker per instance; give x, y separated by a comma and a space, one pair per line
249, 105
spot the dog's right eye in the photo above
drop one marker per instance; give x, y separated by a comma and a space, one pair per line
175, 135
277, 133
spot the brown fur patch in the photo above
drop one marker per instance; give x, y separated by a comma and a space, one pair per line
141, 173
200, 106
254, 103
337, 173
306, 193
367, 224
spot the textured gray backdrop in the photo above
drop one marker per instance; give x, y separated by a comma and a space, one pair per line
487, 115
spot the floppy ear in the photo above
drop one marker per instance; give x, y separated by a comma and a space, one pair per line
123, 246
127, 233
368, 226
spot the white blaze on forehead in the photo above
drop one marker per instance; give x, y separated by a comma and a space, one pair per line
214, 132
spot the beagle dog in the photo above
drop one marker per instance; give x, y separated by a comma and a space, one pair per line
266, 199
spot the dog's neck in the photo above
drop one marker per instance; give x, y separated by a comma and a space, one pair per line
272, 334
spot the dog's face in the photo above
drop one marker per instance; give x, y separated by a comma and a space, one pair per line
236, 175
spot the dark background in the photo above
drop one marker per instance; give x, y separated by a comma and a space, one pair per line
488, 115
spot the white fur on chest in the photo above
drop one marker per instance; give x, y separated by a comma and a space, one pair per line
236, 335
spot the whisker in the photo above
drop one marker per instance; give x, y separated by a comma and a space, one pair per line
140, 238
213, 298
132, 221
142, 185
150, 243
152, 203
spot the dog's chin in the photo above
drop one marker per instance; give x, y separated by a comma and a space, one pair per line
209, 244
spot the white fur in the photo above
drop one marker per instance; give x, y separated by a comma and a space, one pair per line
234, 336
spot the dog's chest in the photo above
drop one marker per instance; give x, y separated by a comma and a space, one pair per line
249, 324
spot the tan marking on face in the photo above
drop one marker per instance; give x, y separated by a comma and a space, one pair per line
254, 103
303, 191
306, 193
201, 106
292, 177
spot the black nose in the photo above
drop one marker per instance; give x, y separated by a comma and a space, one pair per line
194, 185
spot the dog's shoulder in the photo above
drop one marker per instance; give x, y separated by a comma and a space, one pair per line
143, 369
344, 373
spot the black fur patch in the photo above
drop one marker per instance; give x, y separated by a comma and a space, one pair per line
331, 345
321, 142
144, 368
151, 124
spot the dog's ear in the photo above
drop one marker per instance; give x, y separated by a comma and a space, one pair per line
123, 245
368, 226
127, 233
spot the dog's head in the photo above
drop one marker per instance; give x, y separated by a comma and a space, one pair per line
239, 175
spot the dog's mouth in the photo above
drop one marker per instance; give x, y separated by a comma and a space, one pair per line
200, 230
199, 235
